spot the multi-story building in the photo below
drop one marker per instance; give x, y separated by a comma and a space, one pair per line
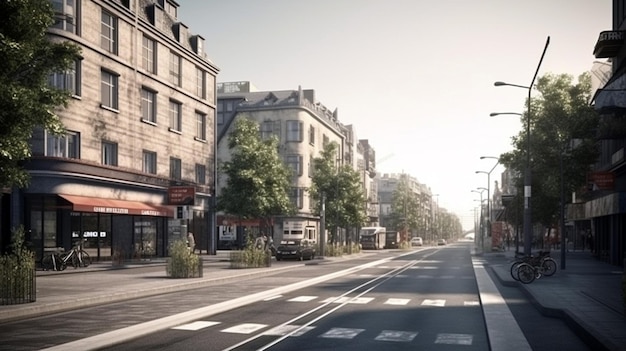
426, 211
139, 139
303, 126
366, 165
602, 215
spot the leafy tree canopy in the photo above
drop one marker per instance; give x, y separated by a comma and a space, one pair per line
344, 196
258, 182
563, 127
26, 101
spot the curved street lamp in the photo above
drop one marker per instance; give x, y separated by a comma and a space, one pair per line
527, 174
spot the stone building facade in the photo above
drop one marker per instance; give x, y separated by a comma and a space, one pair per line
140, 132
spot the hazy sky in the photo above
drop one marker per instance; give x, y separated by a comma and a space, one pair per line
415, 77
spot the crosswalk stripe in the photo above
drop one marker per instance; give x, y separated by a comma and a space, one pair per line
303, 299
438, 303
245, 328
396, 335
197, 325
397, 301
342, 333
283, 330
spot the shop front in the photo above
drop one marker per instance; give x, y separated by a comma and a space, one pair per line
106, 228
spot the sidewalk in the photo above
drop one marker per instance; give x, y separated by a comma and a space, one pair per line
587, 295
102, 283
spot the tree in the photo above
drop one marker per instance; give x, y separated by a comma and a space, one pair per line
344, 196
404, 207
26, 101
258, 182
563, 127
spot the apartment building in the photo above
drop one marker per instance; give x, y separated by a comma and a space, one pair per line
303, 126
427, 207
139, 149
602, 216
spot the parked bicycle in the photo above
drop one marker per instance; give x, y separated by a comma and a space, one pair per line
77, 257
533, 267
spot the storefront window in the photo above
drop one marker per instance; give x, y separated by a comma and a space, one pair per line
145, 237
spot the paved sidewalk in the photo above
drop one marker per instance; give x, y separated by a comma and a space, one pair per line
587, 295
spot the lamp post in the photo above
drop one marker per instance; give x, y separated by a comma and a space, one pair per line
481, 241
488, 189
527, 172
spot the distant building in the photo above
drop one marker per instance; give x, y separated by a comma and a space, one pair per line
303, 126
140, 125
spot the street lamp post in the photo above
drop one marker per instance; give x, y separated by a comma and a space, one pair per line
527, 172
481, 241
489, 189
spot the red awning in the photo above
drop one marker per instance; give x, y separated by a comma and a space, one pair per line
99, 205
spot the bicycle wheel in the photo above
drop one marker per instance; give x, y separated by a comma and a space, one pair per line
514, 267
526, 273
549, 266
84, 258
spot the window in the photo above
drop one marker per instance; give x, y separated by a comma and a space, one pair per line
200, 126
200, 174
108, 32
311, 165
109, 153
67, 145
64, 15
108, 86
312, 135
294, 162
148, 54
176, 115
200, 83
68, 80
269, 128
294, 131
175, 69
149, 162
175, 168
296, 196
148, 105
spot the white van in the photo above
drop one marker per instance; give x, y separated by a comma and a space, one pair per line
416, 241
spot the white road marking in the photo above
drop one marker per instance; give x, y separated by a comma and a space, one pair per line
397, 301
283, 330
303, 299
273, 297
361, 300
396, 335
342, 333
245, 328
454, 339
471, 303
437, 303
196, 325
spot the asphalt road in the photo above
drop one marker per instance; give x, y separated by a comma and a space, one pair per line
427, 299
423, 300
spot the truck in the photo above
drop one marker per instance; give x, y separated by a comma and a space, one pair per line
392, 240
372, 238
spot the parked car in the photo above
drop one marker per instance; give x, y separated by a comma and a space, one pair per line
441, 242
298, 249
417, 241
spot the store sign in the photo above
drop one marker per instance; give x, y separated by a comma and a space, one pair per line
601, 180
181, 195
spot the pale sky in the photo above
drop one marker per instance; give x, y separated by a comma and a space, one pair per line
415, 77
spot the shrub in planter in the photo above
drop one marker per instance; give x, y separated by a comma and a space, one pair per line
182, 263
250, 257
17, 272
